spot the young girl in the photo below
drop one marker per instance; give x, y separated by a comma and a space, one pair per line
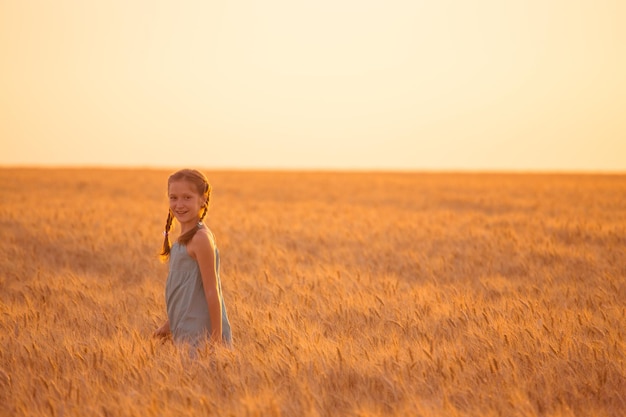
193, 292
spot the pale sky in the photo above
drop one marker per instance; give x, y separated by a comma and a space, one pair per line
315, 84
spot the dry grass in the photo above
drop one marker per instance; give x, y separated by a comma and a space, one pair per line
354, 294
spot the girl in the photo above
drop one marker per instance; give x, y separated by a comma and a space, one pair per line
193, 292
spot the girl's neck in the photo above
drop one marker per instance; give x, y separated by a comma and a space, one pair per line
184, 228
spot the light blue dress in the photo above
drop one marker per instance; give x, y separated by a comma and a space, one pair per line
187, 308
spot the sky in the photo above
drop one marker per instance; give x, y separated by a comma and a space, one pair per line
534, 85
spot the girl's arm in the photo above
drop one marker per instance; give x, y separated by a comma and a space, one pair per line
163, 331
202, 249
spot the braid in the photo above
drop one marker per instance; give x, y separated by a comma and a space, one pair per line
207, 194
165, 253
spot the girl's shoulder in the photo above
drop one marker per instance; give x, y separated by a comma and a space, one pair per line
209, 233
205, 231
201, 241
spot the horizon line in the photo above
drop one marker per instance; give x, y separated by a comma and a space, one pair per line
399, 170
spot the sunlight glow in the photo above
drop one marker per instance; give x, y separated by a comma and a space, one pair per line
280, 84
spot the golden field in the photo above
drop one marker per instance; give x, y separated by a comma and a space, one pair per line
350, 294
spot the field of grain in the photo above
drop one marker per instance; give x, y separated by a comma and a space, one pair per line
350, 294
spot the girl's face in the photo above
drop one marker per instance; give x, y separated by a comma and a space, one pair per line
185, 202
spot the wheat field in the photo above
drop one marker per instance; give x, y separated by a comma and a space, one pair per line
349, 293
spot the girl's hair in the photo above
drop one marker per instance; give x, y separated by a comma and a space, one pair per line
200, 181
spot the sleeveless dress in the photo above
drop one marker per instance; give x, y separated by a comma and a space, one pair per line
187, 308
